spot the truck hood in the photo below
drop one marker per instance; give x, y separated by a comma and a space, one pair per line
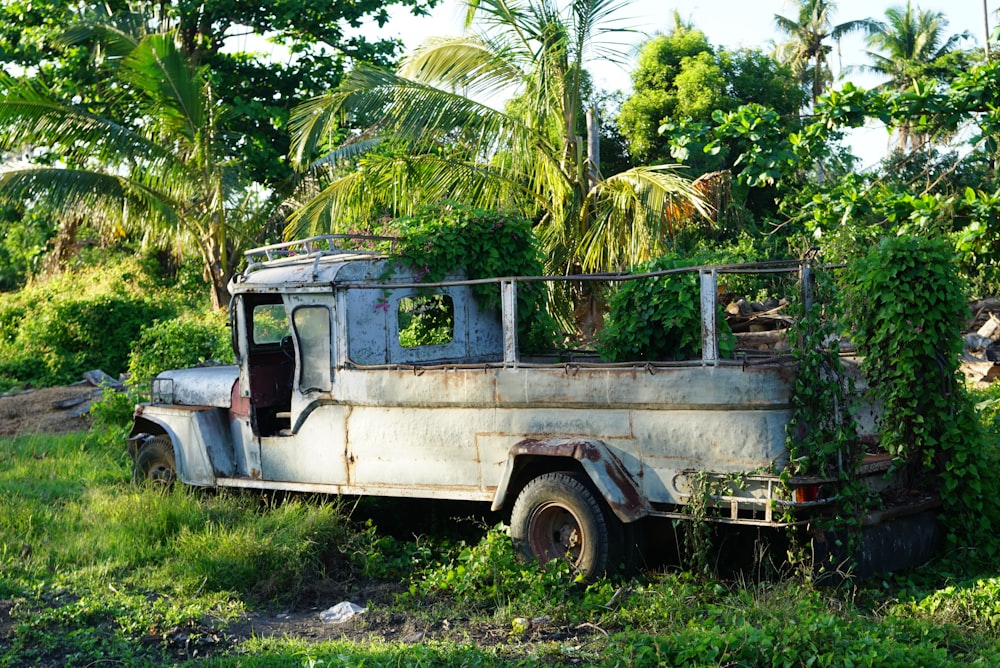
200, 386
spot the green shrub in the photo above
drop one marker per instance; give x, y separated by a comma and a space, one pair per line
52, 332
659, 318
179, 343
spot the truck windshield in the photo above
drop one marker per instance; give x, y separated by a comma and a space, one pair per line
270, 324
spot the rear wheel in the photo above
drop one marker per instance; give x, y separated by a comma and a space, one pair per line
154, 462
557, 516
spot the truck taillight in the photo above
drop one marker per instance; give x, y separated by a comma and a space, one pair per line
806, 493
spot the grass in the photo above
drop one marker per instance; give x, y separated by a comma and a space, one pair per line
95, 571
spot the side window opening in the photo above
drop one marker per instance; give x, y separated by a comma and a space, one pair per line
426, 320
312, 329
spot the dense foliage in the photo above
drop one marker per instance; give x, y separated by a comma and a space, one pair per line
52, 332
55, 39
906, 308
659, 319
680, 78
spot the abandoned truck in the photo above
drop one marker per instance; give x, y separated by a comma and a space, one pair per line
331, 393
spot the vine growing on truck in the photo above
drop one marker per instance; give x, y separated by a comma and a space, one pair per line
442, 238
822, 432
906, 308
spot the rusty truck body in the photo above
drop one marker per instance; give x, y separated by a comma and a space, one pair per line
331, 394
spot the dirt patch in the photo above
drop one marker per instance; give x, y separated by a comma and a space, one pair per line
52, 410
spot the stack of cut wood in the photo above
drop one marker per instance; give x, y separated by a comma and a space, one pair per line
982, 344
759, 326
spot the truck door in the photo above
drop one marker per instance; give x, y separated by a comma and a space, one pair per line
269, 363
313, 449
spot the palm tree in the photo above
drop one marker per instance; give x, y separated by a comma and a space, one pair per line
912, 43
165, 177
429, 138
807, 50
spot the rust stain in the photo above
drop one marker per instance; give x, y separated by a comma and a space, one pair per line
634, 503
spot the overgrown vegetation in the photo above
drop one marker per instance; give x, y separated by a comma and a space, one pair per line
659, 318
93, 569
115, 316
52, 331
906, 309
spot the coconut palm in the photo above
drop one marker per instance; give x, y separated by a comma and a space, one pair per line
807, 49
431, 137
908, 48
165, 177
909, 43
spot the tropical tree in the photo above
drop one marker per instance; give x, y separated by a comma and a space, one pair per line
233, 39
681, 78
167, 177
910, 47
807, 50
431, 138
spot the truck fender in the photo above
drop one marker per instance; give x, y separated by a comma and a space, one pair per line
605, 470
200, 436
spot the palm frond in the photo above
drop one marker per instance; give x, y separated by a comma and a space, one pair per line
415, 113
397, 185
103, 199
628, 217
159, 69
313, 123
30, 116
118, 33
468, 63
347, 153
595, 21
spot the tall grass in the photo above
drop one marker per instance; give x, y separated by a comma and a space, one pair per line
94, 569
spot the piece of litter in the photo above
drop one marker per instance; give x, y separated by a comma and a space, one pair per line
340, 613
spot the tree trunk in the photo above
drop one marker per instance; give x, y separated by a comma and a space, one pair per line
593, 149
216, 273
63, 246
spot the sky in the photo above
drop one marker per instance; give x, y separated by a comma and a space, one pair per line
729, 23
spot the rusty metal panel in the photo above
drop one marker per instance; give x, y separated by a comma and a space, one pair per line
676, 441
417, 387
603, 424
413, 446
367, 328
673, 387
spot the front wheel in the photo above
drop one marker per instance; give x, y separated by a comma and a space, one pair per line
155, 463
556, 516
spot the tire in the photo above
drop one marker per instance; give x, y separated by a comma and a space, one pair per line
155, 463
557, 516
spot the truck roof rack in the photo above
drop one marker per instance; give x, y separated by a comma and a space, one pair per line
313, 248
